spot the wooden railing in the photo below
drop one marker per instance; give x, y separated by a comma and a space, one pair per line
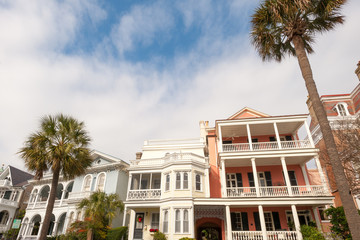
277, 191
259, 146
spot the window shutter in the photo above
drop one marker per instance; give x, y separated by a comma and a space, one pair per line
272, 139
251, 179
292, 177
276, 219
257, 221
288, 138
239, 180
233, 221
245, 223
268, 179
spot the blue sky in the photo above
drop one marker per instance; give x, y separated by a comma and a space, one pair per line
138, 70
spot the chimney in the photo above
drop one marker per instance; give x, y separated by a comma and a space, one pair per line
138, 155
203, 126
357, 71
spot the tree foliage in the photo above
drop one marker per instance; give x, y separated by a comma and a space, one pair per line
311, 233
339, 222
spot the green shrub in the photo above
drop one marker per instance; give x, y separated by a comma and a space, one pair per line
186, 238
74, 236
339, 223
159, 236
120, 233
311, 233
11, 234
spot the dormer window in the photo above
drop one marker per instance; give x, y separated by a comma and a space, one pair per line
341, 109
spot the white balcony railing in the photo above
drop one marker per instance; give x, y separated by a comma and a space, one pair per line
174, 157
79, 195
9, 202
257, 235
278, 191
144, 194
259, 146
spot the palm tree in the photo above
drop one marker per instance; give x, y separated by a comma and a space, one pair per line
281, 27
100, 209
61, 146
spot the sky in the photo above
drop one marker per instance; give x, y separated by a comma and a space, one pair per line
138, 70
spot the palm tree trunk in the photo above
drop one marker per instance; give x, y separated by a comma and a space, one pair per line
50, 205
352, 216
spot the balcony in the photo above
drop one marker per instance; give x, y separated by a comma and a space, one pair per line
277, 191
271, 235
170, 158
260, 146
79, 195
145, 194
9, 202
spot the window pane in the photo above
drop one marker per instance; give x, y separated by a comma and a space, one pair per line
165, 223
186, 221
156, 181
155, 221
135, 182
177, 221
167, 185
178, 181
198, 182
186, 181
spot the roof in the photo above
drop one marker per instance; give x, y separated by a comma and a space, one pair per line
19, 177
247, 112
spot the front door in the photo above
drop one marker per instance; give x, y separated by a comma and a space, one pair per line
139, 225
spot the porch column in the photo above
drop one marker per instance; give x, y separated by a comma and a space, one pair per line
124, 218
223, 178
207, 181
129, 185
249, 136
56, 225
62, 196
256, 181
317, 219
192, 221
296, 222
309, 134
262, 222
228, 223
150, 185
286, 175
220, 142
36, 199
277, 135
306, 178
321, 173
40, 227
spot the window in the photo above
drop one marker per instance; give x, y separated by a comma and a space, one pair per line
239, 221
198, 182
178, 181
156, 181
101, 182
135, 181
269, 223
167, 183
234, 180
87, 183
323, 215
155, 220
186, 181
166, 222
177, 221
341, 109
186, 221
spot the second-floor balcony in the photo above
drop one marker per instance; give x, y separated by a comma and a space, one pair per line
261, 146
277, 191
9, 202
144, 194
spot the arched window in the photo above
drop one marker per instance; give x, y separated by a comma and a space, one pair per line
342, 109
178, 180
186, 221
186, 181
59, 191
101, 182
177, 221
71, 218
87, 183
44, 193
69, 189
167, 184
33, 195
4, 217
198, 182
166, 222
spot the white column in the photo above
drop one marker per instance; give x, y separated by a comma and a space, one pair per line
192, 221
317, 219
223, 179
256, 181
296, 221
207, 181
286, 174
40, 227
306, 178
56, 224
150, 185
125, 212
262, 222
228, 223
220, 142
309, 134
191, 179
321, 173
36, 199
249, 136
62, 196
277, 135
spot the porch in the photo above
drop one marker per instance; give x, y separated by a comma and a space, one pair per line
258, 235
260, 146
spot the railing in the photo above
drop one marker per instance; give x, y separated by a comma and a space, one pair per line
247, 235
309, 190
257, 235
9, 202
144, 194
174, 157
258, 146
79, 195
281, 235
277, 191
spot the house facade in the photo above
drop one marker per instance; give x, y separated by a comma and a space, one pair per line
245, 178
340, 108
107, 174
14, 189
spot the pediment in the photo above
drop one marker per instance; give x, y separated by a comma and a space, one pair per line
247, 112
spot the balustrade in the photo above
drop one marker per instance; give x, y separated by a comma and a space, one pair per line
144, 194
309, 190
257, 146
281, 235
257, 235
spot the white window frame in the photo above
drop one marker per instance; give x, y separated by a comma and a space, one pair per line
272, 222
201, 187
342, 112
98, 181
239, 217
152, 220
181, 181
167, 184
83, 185
165, 221
182, 221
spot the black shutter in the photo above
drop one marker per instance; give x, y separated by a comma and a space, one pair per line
288, 138
292, 177
251, 179
276, 219
254, 140
272, 139
239, 180
233, 221
245, 223
257, 221
268, 179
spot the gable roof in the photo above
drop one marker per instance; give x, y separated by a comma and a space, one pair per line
247, 112
19, 177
